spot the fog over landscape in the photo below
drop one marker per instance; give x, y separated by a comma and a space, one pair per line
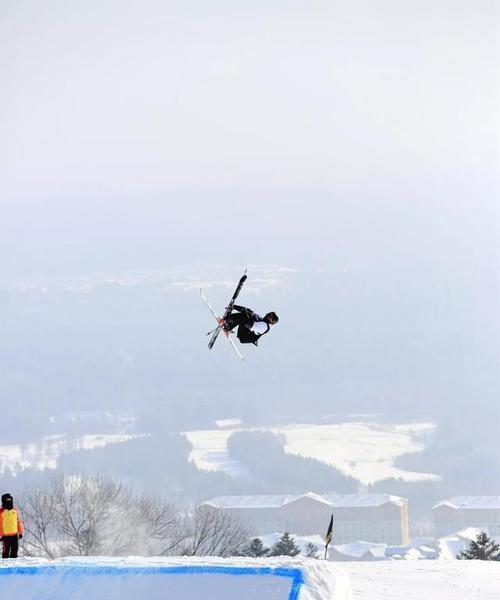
345, 153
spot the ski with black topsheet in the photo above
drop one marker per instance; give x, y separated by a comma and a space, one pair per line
227, 312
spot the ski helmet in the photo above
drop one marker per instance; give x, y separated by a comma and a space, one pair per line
7, 501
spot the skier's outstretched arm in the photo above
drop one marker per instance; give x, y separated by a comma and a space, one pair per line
248, 312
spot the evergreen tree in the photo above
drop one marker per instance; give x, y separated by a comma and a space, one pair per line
484, 548
311, 550
255, 548
285, 546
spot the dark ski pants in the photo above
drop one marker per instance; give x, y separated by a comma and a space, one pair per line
236, 319
10, 546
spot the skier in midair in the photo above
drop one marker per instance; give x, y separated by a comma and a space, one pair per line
251, 326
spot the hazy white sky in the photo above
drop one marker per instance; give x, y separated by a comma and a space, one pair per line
122, 118
360, 137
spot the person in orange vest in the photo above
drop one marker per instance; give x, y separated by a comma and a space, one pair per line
11, 527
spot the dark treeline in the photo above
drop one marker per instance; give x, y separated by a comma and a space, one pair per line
264, 455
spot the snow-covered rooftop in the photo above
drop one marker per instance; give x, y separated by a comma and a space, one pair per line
361, 500
269, 501
476, 502
280, 500
357, 550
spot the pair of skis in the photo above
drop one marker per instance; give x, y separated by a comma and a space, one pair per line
227, 312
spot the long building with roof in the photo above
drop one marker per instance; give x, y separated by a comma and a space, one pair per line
460, 512
379, 518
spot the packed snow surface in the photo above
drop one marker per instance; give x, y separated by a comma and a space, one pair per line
280, 578
364, 450
424, 580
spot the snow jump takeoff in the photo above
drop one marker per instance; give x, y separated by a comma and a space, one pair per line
251, 327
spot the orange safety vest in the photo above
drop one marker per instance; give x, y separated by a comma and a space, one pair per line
10, 522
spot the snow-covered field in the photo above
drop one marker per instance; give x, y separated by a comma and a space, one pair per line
45, 454
424, 580
279, 578
263, 278
364, 450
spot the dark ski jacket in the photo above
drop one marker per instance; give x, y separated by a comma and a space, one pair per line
245, 333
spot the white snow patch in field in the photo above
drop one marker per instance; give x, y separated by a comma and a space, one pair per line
228, 423
210, 453
364, 450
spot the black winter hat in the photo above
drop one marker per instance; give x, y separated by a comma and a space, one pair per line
7, 501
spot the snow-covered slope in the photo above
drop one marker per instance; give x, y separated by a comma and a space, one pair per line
364, 450
46, 453
182, 578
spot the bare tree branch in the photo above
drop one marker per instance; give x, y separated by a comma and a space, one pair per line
216, 533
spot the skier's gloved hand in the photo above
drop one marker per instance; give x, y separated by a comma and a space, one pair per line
20, 536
